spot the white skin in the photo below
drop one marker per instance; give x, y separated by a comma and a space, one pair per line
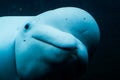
52, 38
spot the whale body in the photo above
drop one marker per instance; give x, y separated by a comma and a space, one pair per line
30, 45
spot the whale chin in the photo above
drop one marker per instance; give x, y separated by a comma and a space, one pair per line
61, 53
35, 56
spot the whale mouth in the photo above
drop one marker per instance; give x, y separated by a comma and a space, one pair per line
55, 37
69, 48
72, 56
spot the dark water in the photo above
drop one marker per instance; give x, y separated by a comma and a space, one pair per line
106, 60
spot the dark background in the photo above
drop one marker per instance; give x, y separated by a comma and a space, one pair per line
105, 63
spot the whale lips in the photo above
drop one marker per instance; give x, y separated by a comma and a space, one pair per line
55, 37
66, 47
56, 45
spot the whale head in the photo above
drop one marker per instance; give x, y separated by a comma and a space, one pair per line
54, 38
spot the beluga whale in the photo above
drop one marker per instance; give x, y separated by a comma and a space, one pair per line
55, 43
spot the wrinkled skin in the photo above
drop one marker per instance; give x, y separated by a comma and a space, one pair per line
55, 41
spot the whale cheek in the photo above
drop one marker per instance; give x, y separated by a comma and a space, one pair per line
33, 57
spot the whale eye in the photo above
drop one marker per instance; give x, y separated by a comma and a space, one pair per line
27, 26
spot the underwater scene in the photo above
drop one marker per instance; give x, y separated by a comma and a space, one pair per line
59, 39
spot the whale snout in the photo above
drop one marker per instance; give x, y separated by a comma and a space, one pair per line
55, 37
